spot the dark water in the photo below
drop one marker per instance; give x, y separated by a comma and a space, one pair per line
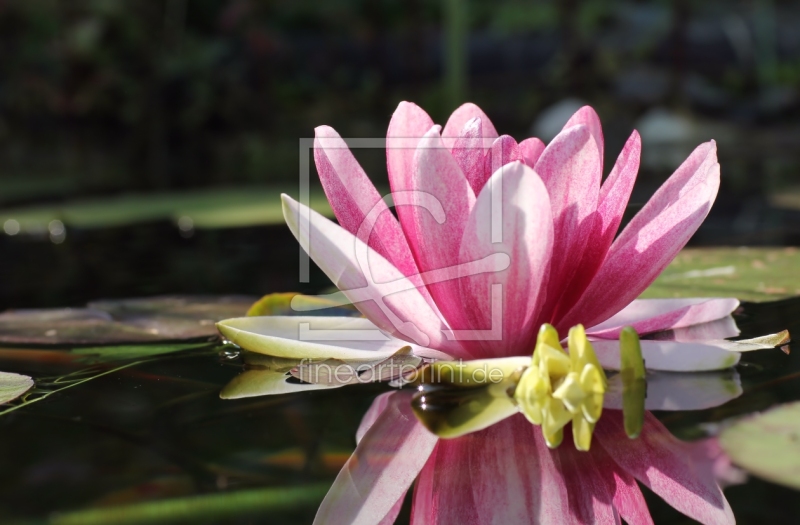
158, 431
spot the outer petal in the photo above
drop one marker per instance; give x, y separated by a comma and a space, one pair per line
437, 175
667, 466
719, 329
570, 168
587, 116
459, 117
386, 461
522, 229
311, 337
387, 298
651, 240
614, 196
654, 315
358, 206
377, 408
502, 474
672, 356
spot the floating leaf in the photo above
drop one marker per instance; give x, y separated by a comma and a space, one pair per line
767, 444
147, 320
13, 385
216, 507
103, 354
749, 274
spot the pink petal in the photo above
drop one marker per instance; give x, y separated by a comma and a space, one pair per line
719, 329
504, 150
651, 240
614, 196
587, 116
382, 468
387, 297
525, 235
502, 474
530, 150
437, 175
654, 315
354, 199
627, 497
409, 123
468, 151
377, 407
669, 467
589, 488
459, 117
571, 170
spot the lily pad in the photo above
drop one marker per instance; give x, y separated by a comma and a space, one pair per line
103, 354
214, 208
749, 274
127, 321
13, 385
767, 444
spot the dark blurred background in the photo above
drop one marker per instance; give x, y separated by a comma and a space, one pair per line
133, 133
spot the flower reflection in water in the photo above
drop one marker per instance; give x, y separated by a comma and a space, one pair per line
506, 473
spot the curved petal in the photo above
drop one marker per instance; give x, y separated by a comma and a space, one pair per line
671, 356
719, 329
311, 337
651, 240
654, 315
380, 471
408, 125
365, 278
503, 151
669, 467
438, 176
627, 497
530, 150
377, 407
570, 169
459, 117
502, 474
358, 206
614, 196
516, 223
587, 116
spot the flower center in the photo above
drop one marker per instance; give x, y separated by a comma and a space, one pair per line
558, 387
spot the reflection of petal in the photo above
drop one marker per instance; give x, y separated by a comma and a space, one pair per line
673, 469
386, 461
672, 356
503, 474
652, 315
719, 329
264, 383
347, 338
676, 391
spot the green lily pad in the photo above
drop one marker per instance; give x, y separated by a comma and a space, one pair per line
209, 208
767, 444
13, 385
127, 321
749, 274
103, 354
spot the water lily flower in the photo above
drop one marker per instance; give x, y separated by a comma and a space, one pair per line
492, 239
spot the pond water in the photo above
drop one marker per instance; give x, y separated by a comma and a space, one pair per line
147, 438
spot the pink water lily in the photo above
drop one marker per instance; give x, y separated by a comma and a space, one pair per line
493, 238
506, 474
